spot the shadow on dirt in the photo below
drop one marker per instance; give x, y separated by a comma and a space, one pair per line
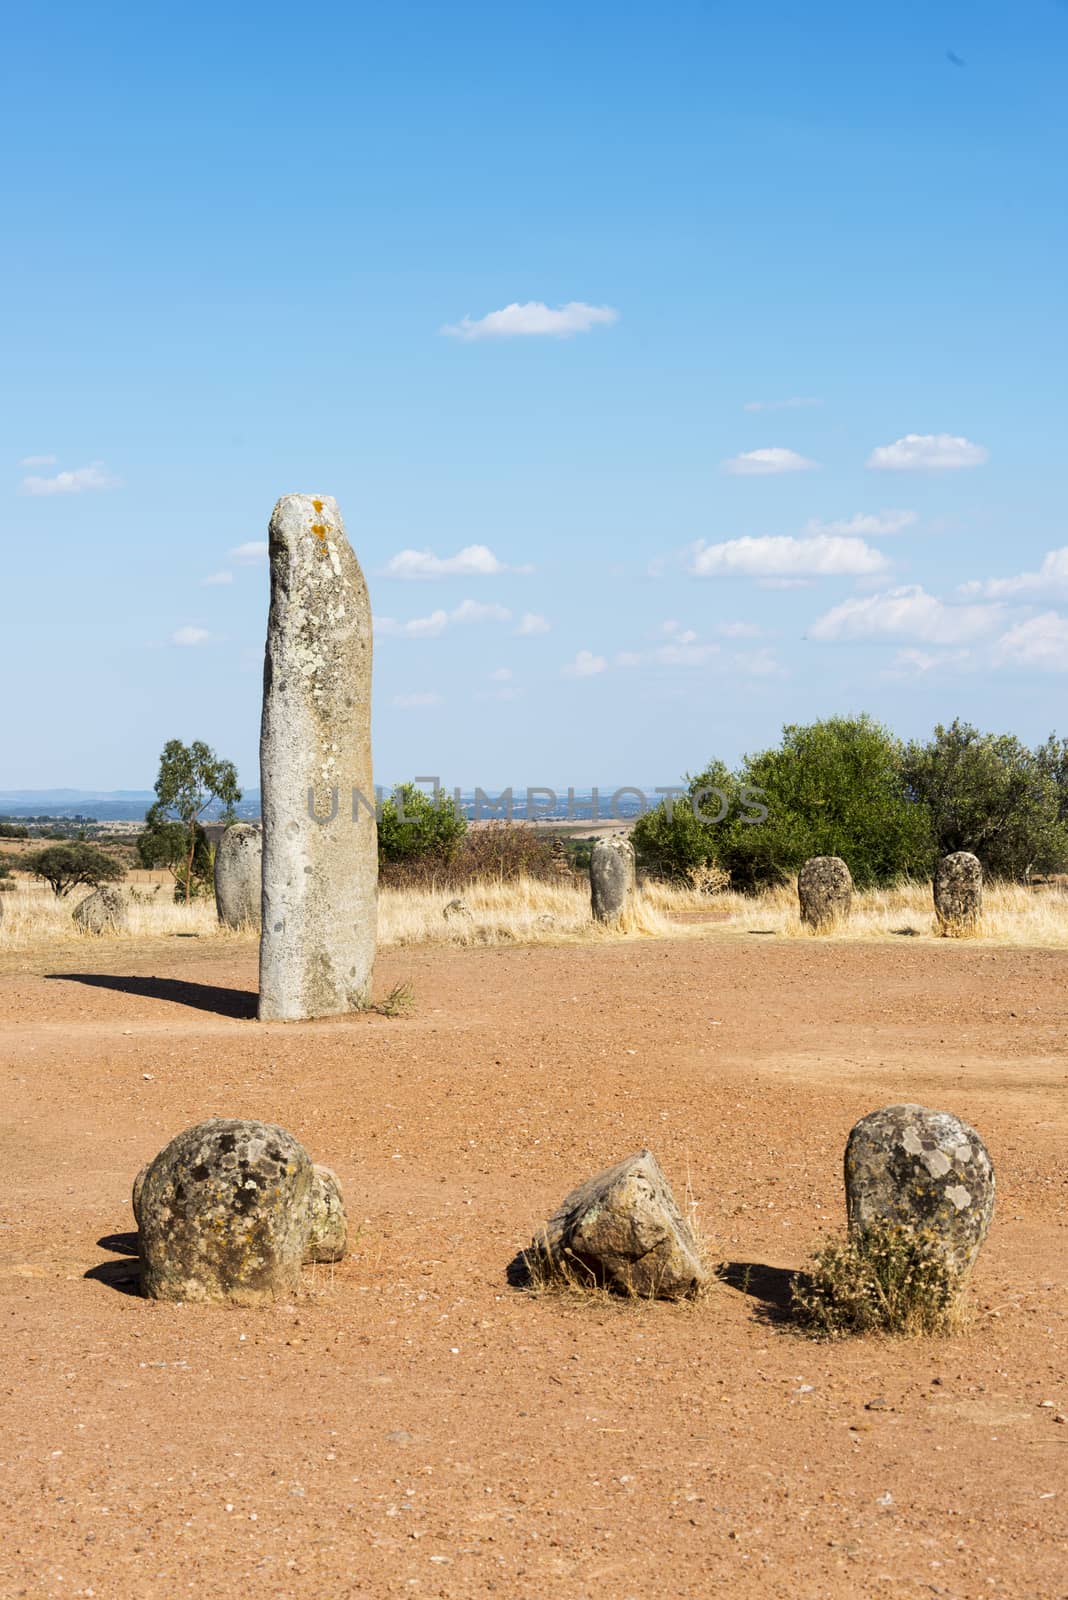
768, 1286
240, 1003
123, 1274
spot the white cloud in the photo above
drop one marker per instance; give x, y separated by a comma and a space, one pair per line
906, 613
585, 665
912, 663
215, 578
795, 403
251, 551
758, 664
473, 561
783, 556
764, 463
738, 630
927, 452
417, 702
432, 626
1040, 642
532, 623
501, 675
38, 461
676, 631
76, 482
533, 317
190, 636
1051, 578
866, 524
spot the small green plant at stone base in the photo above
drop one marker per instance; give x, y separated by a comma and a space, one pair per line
399, 1002
887, 1279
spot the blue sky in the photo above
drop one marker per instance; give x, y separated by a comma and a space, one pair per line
771, 424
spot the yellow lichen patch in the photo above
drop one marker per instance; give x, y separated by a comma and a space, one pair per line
318, 504
319, 529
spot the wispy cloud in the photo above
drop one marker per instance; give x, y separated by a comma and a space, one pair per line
531, 624
501, 675
1050, 578
422, 701
783, 556
190, 635
795, 403
768, 463
473, 561
531, 318
1041, 642
252, 551
431, 627
911, 663
215, 579
38, 461
906, 613
865, 524
585, 665
927, 452
77, 482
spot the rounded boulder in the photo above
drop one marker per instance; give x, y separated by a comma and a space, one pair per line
958, 893
612, 877
824, 892
239, 875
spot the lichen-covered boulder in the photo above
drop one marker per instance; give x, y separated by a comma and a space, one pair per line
927, 1171
958, 893
239, 875
623, 1230
228, 1211
612, 877
104, 911
824, 892
328, 1234
457, 911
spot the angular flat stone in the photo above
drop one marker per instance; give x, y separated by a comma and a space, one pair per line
622, 1229
926, 1170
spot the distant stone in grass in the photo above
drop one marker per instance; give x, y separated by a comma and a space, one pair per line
825, 892
229, 1210
104, 911
611, 877
239, 876
457, 911
923, 1170
958, 894
621, 1230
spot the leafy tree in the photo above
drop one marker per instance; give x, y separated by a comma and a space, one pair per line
164, 843
680, 834
988, 793
64, 866
191, 778
414, 824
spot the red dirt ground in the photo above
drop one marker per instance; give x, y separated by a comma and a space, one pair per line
413, 1426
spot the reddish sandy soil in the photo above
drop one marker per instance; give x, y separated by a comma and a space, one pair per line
411, 1425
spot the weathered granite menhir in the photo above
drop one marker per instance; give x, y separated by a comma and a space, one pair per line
320, 852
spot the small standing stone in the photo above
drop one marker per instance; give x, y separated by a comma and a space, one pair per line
239, 875
320, 852
926, 1170
622, 1229
612, 877
958, 893
229, 1210
104, 911
457, 911
825, 892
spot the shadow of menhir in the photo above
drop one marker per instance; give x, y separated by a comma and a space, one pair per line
770, 1287
239, 1003
123, 1274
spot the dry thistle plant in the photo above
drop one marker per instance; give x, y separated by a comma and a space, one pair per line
888, 1279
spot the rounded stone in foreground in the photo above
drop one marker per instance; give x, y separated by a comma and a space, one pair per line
958, 893
104, 911
223, 1214
824, 892
328, 1235
925, 1170
612, 877
239, 876
457, 911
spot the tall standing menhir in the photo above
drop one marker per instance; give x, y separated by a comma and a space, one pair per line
320, 877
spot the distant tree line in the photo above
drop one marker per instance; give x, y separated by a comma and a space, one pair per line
846, 786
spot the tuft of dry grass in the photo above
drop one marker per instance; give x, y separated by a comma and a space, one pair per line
887, 1279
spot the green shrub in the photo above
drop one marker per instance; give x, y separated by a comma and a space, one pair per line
887, 1279
64, 866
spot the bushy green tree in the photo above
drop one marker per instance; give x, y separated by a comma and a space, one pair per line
165, 843
64, 866
988, 793
414, 824
191, 778
682, 834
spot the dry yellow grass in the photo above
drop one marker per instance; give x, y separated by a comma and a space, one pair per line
531, 912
